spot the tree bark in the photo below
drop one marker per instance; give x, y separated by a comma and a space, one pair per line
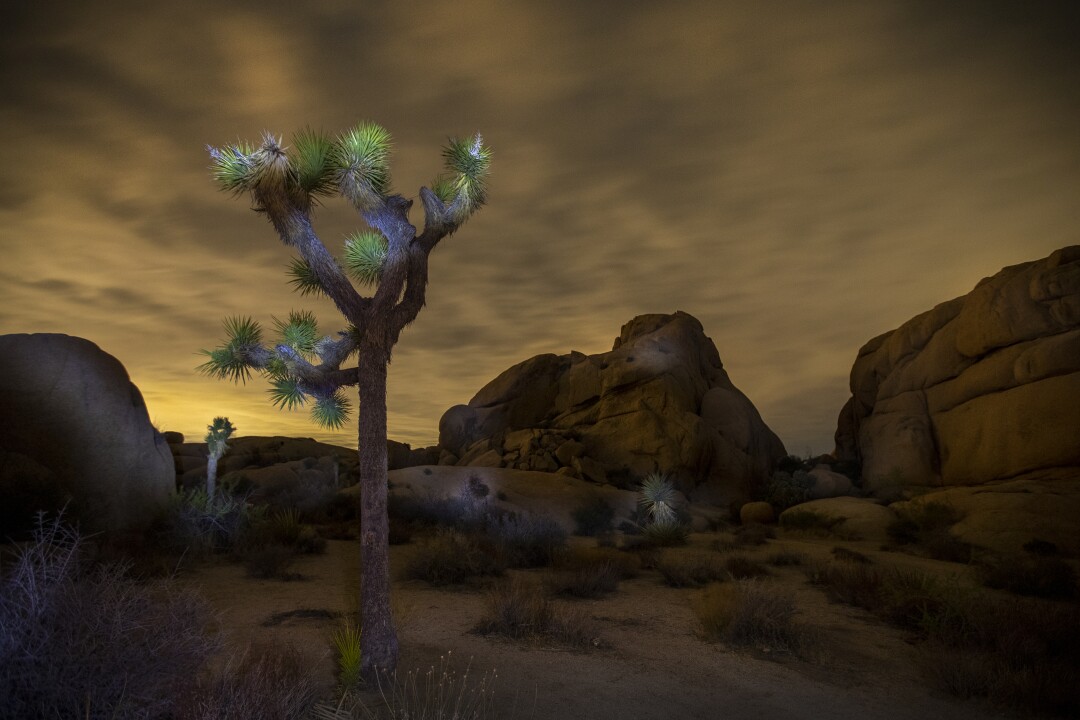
378, 639
211, 474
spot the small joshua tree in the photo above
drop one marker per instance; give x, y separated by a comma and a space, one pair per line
216, 446
284, 185
657, 497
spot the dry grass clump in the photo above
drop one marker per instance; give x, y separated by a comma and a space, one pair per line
1033, 575
526, 541
843, 553
516, 610
749, 613
588, 581
451, 557
690, 569
594, 516
925, 528
753, 535
740, 567
437, 694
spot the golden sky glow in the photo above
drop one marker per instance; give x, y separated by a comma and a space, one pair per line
799, 176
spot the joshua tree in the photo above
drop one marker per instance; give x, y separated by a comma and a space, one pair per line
284, 185
216, 446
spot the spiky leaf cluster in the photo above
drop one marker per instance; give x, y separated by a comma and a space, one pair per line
361, 158
331, 411
365, 253
303, 278
229, 362
464, 190
217, 435
656, 496
233, 166
300, 331
313, 165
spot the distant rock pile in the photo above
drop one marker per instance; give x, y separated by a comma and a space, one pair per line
659, 401
980, 395
74, 430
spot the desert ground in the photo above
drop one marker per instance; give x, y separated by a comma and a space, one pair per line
648, 659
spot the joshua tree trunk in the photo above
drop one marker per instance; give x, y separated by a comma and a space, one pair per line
378, 639
211, 474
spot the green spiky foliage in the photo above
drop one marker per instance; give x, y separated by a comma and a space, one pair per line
218, 434
285, 184
365, 253
657, 496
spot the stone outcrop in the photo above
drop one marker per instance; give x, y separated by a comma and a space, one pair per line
981, 389
659, 401
74, 429
255, 452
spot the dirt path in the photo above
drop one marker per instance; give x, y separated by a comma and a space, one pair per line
650, 663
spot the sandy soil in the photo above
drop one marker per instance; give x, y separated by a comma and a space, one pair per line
650, 663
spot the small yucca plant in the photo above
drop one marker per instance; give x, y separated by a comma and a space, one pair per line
217, 435
346, 641
657, 497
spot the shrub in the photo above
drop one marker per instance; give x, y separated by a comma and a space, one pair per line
926, 526
685, 569
516, 610
587, 581
593, 517
627, 564
197, 524
753, 535
786, 558
526, 541
271, 683
858, 585
1045, 577
741, 567
666, 534
843, 553
749, 613
788, 488
452, 557
93, 643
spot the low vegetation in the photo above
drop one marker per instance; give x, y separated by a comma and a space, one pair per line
749, 613
593, 517
925, 528
516, 610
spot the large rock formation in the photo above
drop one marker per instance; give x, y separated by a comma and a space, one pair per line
979, 399
73, 428
981, 388
660, 401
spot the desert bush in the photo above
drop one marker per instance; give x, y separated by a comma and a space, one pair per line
741, 567
785, 558
1037, 576
749, 613
93, 643
516, 610
688, 569
926, 526
843, 553
593, 517
753, 535
268, 683
627, 564
196, 524
527, 541
452, 557
1042, 548
852, 584
665, 534
586, 581
788, 488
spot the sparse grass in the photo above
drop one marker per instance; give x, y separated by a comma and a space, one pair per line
270, 561
438, 694
451, 557
627, 564
1033, 575
516, 610
527, 541
749, 613
586, 581
593, 517
346, 645
690, 569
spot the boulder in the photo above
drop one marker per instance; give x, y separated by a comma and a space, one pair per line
756, 512
659, 401
71, 418
862, 518
303, 484
828, 484
978, 390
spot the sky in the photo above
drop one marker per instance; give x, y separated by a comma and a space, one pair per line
800, 177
